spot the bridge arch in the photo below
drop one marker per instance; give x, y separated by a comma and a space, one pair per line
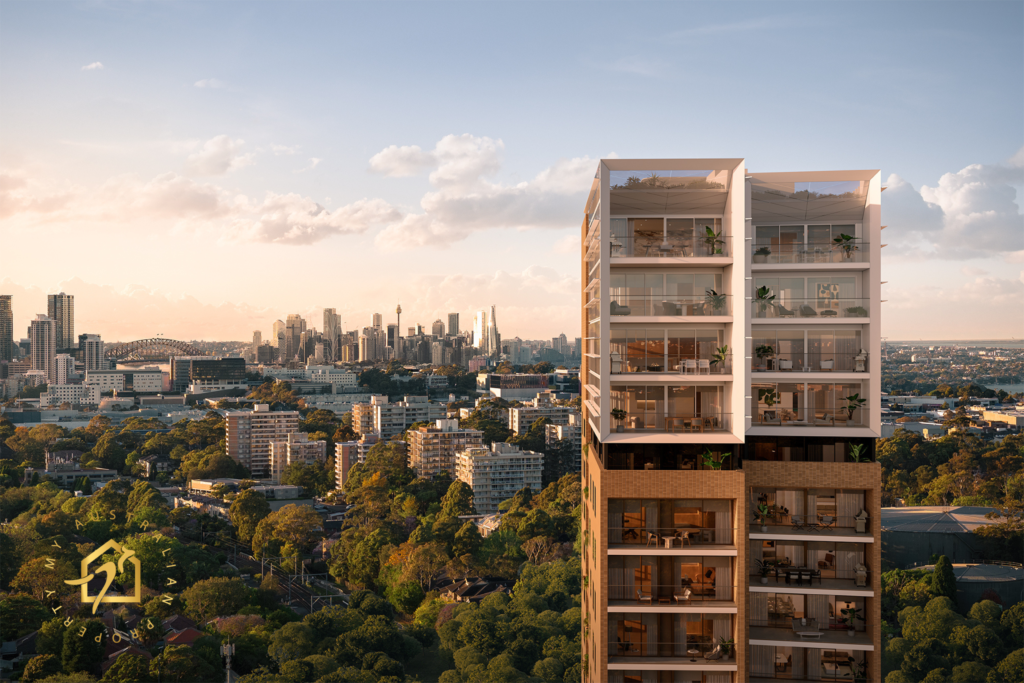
130, 349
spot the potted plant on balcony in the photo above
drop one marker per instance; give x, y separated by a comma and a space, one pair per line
762, 512
769, 397
764, 355
763, 297
761, 254
726, 645
857, 452
856, 312
618, 414
845, 243
850, 615
721, 356
712, 239
853, 401
715, 300
711, 462
763, 568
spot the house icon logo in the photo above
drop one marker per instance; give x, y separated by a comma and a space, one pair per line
109, 571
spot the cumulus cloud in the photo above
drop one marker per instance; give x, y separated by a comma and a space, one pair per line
93, 67
313, 162
211, 83
294, 219
973, 213
218, 156
280, 150
465, 201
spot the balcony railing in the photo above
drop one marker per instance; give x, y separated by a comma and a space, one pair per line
811, 523
676, 247
801, 361
670, 537
810, 307
809, 417
685, 365
671, 594
812, 252
656, 422
786, 622
779, 573
684, 648
670, 305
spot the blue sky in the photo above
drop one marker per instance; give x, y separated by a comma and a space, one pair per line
449, 145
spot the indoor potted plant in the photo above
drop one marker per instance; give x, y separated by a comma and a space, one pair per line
850, 615
857, 452
764, 355
712, 239
711, 462
721, 356
761, 254
763, 297
769, 397
853, 401
618, 414
763, 568
715, 300
845, 243
762, 512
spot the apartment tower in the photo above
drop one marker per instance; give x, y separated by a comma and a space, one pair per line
6, 328
453, 324
61, 310
249, 434
42, 334
730, 386
91, 346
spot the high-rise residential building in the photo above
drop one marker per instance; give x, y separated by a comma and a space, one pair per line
294, 327
730, 328
249, 433
480, 331
432, 448
42, 334
6, 327
495, 474
63, 368
295, 448
493, 338
346, 454
257, 340
378, 320
332, 332
61, 310
453, 324
437, 329
278, 332
91, 346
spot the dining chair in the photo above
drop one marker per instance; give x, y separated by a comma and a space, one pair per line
689, 365
703, 365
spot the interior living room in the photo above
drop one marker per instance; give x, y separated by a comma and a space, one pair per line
669, 524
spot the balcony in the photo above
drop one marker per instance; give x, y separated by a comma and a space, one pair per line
796, 664
806, 361
692, 638
808, 307
675, 246
855, 251
669, 305
663, 583
647, 422
692, 365
809, 417
675, 537
669, 524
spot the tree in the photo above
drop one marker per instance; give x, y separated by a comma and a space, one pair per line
128, 669
178, 663
36, 579
294, 525
20, 614
943, 580
458, 500
1012, 668
216, 597
40, 667
248, 509
292, 641
83, 649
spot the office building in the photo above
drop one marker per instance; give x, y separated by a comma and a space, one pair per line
453, 324
277, 333
493, 338
63, 368
200, 374
293, 329
480, 331
332, 333
393, 338
497, 473
295, 448
61, 310
512, 387
542, 406
149, 380
437, 329
91, 348
75, 394
432, 448
249, 433
728, 320
257, 341
6, 327
43, 337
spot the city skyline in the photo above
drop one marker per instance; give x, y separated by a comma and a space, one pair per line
225, 155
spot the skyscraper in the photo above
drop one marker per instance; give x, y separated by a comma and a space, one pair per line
278, 330
453, 324
294, 328
332, 332
437, 329
493, 338
398, 321
378, 320
480, 331
61, 310
91, 346
6, 328
694, 432
42, 334
63, 368
393, 337
257, 339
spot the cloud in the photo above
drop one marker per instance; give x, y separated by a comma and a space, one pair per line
972, 213
294, 219
20, 195
280, 150
313, 161
95, 66
464, 201
218, 156
211, 83
570, 244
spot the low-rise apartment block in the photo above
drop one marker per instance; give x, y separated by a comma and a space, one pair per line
572, 432
495, 474
249, 434
432, 449
295, 448
521, 419
75, 394
382, 417
148, 380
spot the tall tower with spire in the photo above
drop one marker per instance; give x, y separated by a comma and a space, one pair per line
398, 311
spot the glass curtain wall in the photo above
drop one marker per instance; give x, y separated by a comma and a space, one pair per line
645, 349
811, 349
663, 237
688, 407
821, 405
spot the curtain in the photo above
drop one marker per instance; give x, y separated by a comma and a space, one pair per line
848, 506
648, 676
799, 663
816, 553
650, 621
723, 520
616, 676
792, 500
615, 521
794, 551
650, 562
679, 634
651, 516
721, 627
812, 505
756, 552
813, 664
617, 587
759, 607
762, 659
718, 678
817, 608
723, 576
846, 560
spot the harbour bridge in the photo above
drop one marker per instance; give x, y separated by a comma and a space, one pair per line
150, 349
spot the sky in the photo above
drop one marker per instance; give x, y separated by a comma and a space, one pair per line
199, 170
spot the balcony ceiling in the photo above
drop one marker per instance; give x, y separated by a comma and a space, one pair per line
785, 197
660, 202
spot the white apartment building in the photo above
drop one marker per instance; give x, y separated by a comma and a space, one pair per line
346, 454
387, 419
521, 419
295, 448
432, 449
145, 381
92, 352
497, 473
573, 432
42, 334
63, 368
249, 434
75, 394
326, 374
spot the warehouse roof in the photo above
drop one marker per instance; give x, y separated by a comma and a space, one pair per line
936, 519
